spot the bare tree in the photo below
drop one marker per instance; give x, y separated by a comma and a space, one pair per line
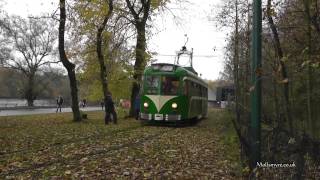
67, 64
28, 44
140, 12
280, 56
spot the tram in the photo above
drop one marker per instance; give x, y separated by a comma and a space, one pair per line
172, 93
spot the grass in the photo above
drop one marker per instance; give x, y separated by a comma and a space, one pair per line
221, 121
42, 146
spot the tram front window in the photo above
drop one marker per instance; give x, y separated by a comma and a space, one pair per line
152, 84
169, 85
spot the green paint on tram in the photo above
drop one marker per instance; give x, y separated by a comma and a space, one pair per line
172, 93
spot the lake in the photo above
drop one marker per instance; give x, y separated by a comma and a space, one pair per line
8, 102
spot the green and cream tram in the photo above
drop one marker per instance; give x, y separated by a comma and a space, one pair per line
172, 93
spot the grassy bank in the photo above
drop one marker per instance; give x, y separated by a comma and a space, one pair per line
221, 121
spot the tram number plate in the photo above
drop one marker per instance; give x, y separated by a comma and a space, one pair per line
158, 117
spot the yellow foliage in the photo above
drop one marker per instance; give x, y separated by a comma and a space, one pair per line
158, 3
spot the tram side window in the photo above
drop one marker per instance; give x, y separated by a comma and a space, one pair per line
152, 84
169, 85
203, 91
207, 92
186, 87
197, 89
192, 88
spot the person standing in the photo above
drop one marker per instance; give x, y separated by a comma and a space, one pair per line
137, 106
59, 103
84, 103
110, 111
101, 104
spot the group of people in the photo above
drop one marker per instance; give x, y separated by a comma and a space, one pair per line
60, 100
111, 114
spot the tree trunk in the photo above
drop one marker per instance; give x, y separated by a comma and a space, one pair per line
311, 121
68, 65
139, 65
245, 113
103, 69
247, 64
29, 91
284, 74
29, 94
236, 66
30, 102
103, 74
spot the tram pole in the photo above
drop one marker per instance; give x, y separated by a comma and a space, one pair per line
255, 95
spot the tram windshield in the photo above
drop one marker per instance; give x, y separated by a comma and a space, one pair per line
152, 84
169, 85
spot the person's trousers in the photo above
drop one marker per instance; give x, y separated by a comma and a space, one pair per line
137, 111
111, 116
59, 108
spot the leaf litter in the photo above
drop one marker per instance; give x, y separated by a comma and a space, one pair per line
52, 146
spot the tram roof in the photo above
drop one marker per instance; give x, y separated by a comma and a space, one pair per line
170, 69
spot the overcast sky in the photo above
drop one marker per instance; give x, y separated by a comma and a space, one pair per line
192, 19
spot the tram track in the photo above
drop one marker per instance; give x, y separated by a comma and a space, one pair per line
98, 136
77, 157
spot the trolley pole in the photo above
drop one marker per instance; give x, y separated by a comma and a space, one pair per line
255, 95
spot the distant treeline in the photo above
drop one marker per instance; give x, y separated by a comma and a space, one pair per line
51, 83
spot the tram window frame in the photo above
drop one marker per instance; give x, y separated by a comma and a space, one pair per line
186, 87
205, 92
193, 91
175, 86
196, 88
151, 89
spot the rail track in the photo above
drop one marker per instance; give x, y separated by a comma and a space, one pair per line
105, 151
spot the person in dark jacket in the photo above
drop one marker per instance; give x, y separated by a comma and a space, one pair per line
137, 106
59, 103
111, 112
84, 103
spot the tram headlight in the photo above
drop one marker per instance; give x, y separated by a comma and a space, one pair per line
174, 105
145, 105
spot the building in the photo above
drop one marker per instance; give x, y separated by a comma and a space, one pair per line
212, 98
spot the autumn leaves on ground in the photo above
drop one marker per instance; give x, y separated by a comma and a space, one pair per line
53, 146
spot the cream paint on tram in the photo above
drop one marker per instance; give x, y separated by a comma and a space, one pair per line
160, 100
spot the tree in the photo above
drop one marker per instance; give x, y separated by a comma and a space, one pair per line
139, 12
105, 35
30, 42
282, 66
10, 81
103, 68
140, 17
235, 15
67, 64
289, 115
